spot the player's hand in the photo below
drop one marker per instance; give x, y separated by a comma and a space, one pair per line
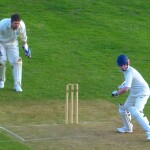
27, 50
115, 94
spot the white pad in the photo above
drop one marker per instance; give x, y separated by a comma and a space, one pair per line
17, 72
141, 118
126, 117
2, 72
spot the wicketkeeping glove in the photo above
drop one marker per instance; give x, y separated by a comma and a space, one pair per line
27, 51
115, 94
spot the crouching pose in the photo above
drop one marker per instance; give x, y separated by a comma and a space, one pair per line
10, 30
135, 103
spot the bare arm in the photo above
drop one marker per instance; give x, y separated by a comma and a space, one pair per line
123, 90
120, 92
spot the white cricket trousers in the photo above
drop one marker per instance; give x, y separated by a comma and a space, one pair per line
137, 102
10, 52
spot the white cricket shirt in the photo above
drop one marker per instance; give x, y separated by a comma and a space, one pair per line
8, 35
133, 80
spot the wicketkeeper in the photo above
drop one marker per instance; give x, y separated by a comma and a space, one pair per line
135, 103
10, 30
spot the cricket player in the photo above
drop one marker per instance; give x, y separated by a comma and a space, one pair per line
10, 30
135, 103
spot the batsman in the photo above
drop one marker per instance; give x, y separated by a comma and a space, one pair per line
137, 99
10, 30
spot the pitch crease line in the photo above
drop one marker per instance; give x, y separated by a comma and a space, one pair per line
17, 136
55, 138
56, 124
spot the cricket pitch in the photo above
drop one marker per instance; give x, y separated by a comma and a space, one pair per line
96, 129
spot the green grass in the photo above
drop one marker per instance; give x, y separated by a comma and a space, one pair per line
78, 42
8, 144
73, 43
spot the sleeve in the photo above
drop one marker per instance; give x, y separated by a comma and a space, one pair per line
1, 26
128, 79
23, 34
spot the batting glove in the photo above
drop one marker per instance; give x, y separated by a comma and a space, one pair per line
27, 51
115, 94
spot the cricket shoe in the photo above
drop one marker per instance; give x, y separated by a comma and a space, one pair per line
125, 129
148, 136
18, 88
1, 84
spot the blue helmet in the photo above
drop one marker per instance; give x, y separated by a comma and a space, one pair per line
122, 60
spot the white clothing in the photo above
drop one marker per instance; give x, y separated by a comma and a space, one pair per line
10, 52
9, 48
137, 102
139, 89
133, 80
9, 42
8, 35
141, 118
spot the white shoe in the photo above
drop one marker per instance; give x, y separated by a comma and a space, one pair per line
1, 84
18, 88
148, 136
125, 129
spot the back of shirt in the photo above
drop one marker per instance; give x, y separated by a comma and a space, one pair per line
134, 80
